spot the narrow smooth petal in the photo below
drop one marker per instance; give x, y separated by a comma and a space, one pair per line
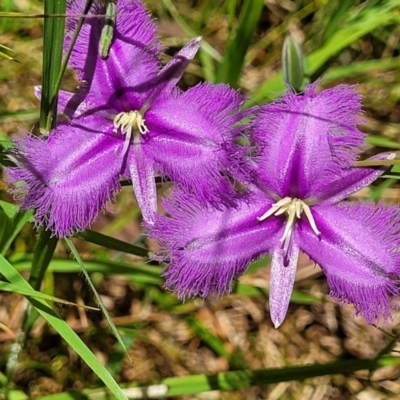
142, 175
358, 252
350, 181
168, 78
301, 140
209, 248
67, 179
133, 56
283, 274
192, 140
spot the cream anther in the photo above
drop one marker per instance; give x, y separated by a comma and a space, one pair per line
129, 122
293, 208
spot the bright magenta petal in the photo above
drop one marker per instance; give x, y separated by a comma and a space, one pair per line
133, 58
68, 178
209, 248
358, 252
302, 140
350, 181
192, 140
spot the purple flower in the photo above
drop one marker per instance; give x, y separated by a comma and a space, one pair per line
304, 147
128, 119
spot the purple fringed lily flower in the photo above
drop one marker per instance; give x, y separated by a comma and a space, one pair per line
129, 119
304, 147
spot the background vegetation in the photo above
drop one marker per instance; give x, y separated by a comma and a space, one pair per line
218, 348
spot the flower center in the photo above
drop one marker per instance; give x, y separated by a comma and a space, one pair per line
293, 208
129, 122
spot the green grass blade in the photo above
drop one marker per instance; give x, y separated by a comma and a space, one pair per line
334, 20
111, 243
381, 141
232, 64
43, 254
216, 344
9, 287
240, 379
360, 68
96, 295
369, 21
63, 329
146, 273
208, 49
53, 39
9, 208
19, 221
64, 63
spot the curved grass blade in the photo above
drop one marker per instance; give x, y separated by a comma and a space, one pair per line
96, 296
145, 274
9, 287
5, 55
240, 379
232, 64
111, 243
370, 20
63, 329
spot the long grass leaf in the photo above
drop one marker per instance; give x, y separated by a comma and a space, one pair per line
111, 243
9, 287
63, 329
371, 20
96, 295
232, 64
53, 38
240, 379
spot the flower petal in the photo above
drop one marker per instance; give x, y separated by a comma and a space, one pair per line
350, 181
192, 140
67, 179
358, 252
70, 104
283, 274
133, 56
209, 248
142, 175
170, 75
301, 140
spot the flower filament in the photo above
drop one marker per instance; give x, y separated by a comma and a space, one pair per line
129, 122
293, 208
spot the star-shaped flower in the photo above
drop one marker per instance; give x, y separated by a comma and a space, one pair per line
129, 119
304, 149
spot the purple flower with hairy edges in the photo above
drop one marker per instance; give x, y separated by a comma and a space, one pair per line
304, 149
128, 119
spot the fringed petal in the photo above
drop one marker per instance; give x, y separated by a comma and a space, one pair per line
192, 140
302, 140
67, 179
134, 53
358, 250
209, 248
